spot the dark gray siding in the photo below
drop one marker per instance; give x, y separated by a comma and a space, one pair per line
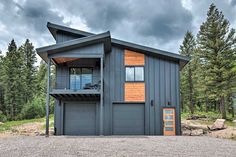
162, 86
62, 37
91, 50
113, 84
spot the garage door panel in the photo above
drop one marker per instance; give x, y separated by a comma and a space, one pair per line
128, 119
80, 119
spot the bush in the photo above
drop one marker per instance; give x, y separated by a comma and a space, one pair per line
3, 118
34, 109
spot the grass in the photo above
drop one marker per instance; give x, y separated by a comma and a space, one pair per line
8, 125
211, 117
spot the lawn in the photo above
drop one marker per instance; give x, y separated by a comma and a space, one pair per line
8, 125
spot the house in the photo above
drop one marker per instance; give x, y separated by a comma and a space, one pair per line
105, 86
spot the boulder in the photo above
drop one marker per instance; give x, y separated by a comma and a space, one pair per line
186, 132
197, 132
1, 123
219, 124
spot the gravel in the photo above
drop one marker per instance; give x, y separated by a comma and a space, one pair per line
116, 146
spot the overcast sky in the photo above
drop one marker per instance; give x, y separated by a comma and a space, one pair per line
156, 23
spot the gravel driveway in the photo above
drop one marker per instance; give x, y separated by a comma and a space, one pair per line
116, 146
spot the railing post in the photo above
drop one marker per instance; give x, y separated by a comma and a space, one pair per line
101, 98
48, 97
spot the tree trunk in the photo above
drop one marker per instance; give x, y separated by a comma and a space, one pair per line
206, 102
190, 91
222, 107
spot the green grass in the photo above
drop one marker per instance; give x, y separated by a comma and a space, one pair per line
8, 125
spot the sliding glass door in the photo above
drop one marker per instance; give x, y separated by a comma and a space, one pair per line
80, 78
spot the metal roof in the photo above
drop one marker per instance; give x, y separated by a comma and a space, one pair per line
76, 43
183, 60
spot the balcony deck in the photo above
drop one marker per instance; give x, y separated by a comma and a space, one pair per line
68, 94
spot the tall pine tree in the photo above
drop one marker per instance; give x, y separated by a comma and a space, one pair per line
187, 90
217, 54
12, 81
29, 69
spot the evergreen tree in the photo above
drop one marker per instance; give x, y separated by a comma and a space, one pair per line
29, 69
188, 48
217, 55
12, 80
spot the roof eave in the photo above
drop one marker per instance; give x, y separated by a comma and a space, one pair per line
80, 42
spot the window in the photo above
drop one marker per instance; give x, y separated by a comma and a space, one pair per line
79, 77
134, 74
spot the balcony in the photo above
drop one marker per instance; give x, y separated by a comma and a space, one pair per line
76, 87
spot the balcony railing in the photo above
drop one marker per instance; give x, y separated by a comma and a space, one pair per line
76, 83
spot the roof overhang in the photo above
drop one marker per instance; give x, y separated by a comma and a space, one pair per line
104, 38
182, 60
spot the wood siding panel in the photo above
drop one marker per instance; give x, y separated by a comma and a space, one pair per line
134, 58
135, 92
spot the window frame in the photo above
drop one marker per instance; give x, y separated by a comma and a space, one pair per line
134, 66
81, 88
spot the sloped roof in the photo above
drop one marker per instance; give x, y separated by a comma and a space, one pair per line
76, 43
183, 60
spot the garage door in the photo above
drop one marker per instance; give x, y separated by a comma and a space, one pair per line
80, 119
128, 119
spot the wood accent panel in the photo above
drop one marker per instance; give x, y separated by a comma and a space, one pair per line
63, 60
169, 123
135, 92
134, 58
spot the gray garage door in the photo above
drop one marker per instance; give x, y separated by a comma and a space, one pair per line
80, 119
128, 119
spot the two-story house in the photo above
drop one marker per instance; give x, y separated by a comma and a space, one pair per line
105, 86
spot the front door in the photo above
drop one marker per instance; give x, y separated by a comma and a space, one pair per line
169, 121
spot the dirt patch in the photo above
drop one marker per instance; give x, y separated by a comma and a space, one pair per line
28, 129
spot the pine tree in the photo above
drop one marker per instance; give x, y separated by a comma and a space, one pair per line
12, 80
188, 48
216, 43
29, 69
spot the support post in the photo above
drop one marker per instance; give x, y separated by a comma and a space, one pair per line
48, 98
101, 98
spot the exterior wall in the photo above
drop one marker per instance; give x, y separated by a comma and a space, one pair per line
161, 88
62, 37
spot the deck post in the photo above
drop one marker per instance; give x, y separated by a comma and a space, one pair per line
48, 98
101, 98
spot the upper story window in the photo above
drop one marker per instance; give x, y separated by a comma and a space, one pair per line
80, 77
134, 73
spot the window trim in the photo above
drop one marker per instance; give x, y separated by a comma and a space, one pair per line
80, 76
133, 66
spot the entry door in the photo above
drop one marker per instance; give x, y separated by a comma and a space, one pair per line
169, 121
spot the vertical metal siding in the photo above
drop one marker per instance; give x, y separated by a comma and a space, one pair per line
162, 86
113, 84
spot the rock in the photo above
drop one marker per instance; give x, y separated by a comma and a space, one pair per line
186, 132
197, 132
1, 123
219, 124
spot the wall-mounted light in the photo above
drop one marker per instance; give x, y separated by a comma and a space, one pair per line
168, 103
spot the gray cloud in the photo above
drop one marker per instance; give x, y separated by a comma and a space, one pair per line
26, 20
161, 24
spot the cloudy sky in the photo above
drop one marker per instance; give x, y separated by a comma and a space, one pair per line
156, 23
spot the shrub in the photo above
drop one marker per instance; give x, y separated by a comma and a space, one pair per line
3, 118
34, 109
